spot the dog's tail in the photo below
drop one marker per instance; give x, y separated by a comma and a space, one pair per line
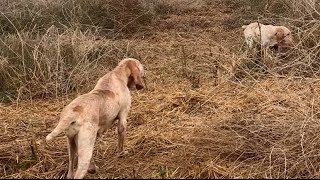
62, 126
244, 26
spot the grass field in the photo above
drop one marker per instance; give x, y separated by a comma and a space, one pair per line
210, 109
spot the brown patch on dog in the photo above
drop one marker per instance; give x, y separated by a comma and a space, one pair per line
280, 34
284, 38
104, 93
78, 109
95, 119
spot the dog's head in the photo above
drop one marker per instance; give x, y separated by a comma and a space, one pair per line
283, 36
136, 71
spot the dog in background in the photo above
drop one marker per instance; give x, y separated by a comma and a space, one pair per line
267, 36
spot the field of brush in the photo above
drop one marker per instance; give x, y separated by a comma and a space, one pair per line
210, 109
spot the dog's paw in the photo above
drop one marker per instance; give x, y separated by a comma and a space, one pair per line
122, 154
69, 175
93, 168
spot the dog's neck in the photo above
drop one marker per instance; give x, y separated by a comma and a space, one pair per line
123, 73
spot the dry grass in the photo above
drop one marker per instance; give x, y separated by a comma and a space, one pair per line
208, 110
50, 48
55, 63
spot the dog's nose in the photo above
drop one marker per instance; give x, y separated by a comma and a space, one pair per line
276, 46
138, 86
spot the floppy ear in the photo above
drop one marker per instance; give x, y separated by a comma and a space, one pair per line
279, 34
134, 81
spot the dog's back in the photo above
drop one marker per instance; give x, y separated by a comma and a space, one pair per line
250, 33
99, 106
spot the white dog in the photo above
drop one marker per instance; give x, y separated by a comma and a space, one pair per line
91, 114
271, 36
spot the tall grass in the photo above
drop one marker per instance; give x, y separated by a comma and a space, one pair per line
218, 113
106, 16
36, 33
273, 134
53, 47
302, 18
304, 8
54, 63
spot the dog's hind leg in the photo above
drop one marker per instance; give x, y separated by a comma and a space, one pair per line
71, 150
86, 140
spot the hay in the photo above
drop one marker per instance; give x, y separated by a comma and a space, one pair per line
207, 112
268, 130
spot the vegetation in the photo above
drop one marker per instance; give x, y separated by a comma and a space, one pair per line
211, 108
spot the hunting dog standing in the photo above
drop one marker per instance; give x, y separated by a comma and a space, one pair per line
90, 115
267, 36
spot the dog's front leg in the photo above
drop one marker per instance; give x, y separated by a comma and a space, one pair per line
122, 126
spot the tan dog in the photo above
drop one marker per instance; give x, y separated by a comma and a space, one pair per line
271, 36
91, 114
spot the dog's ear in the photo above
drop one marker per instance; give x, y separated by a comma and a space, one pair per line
279, 34
134, 81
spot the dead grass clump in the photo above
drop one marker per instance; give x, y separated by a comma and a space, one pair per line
268, 148
49, 46
54, 63
112, 17
303, 9
115, 17
174, 6
300, 61
272, 132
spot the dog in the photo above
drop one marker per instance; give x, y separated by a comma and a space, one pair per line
90, 115
268, 36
